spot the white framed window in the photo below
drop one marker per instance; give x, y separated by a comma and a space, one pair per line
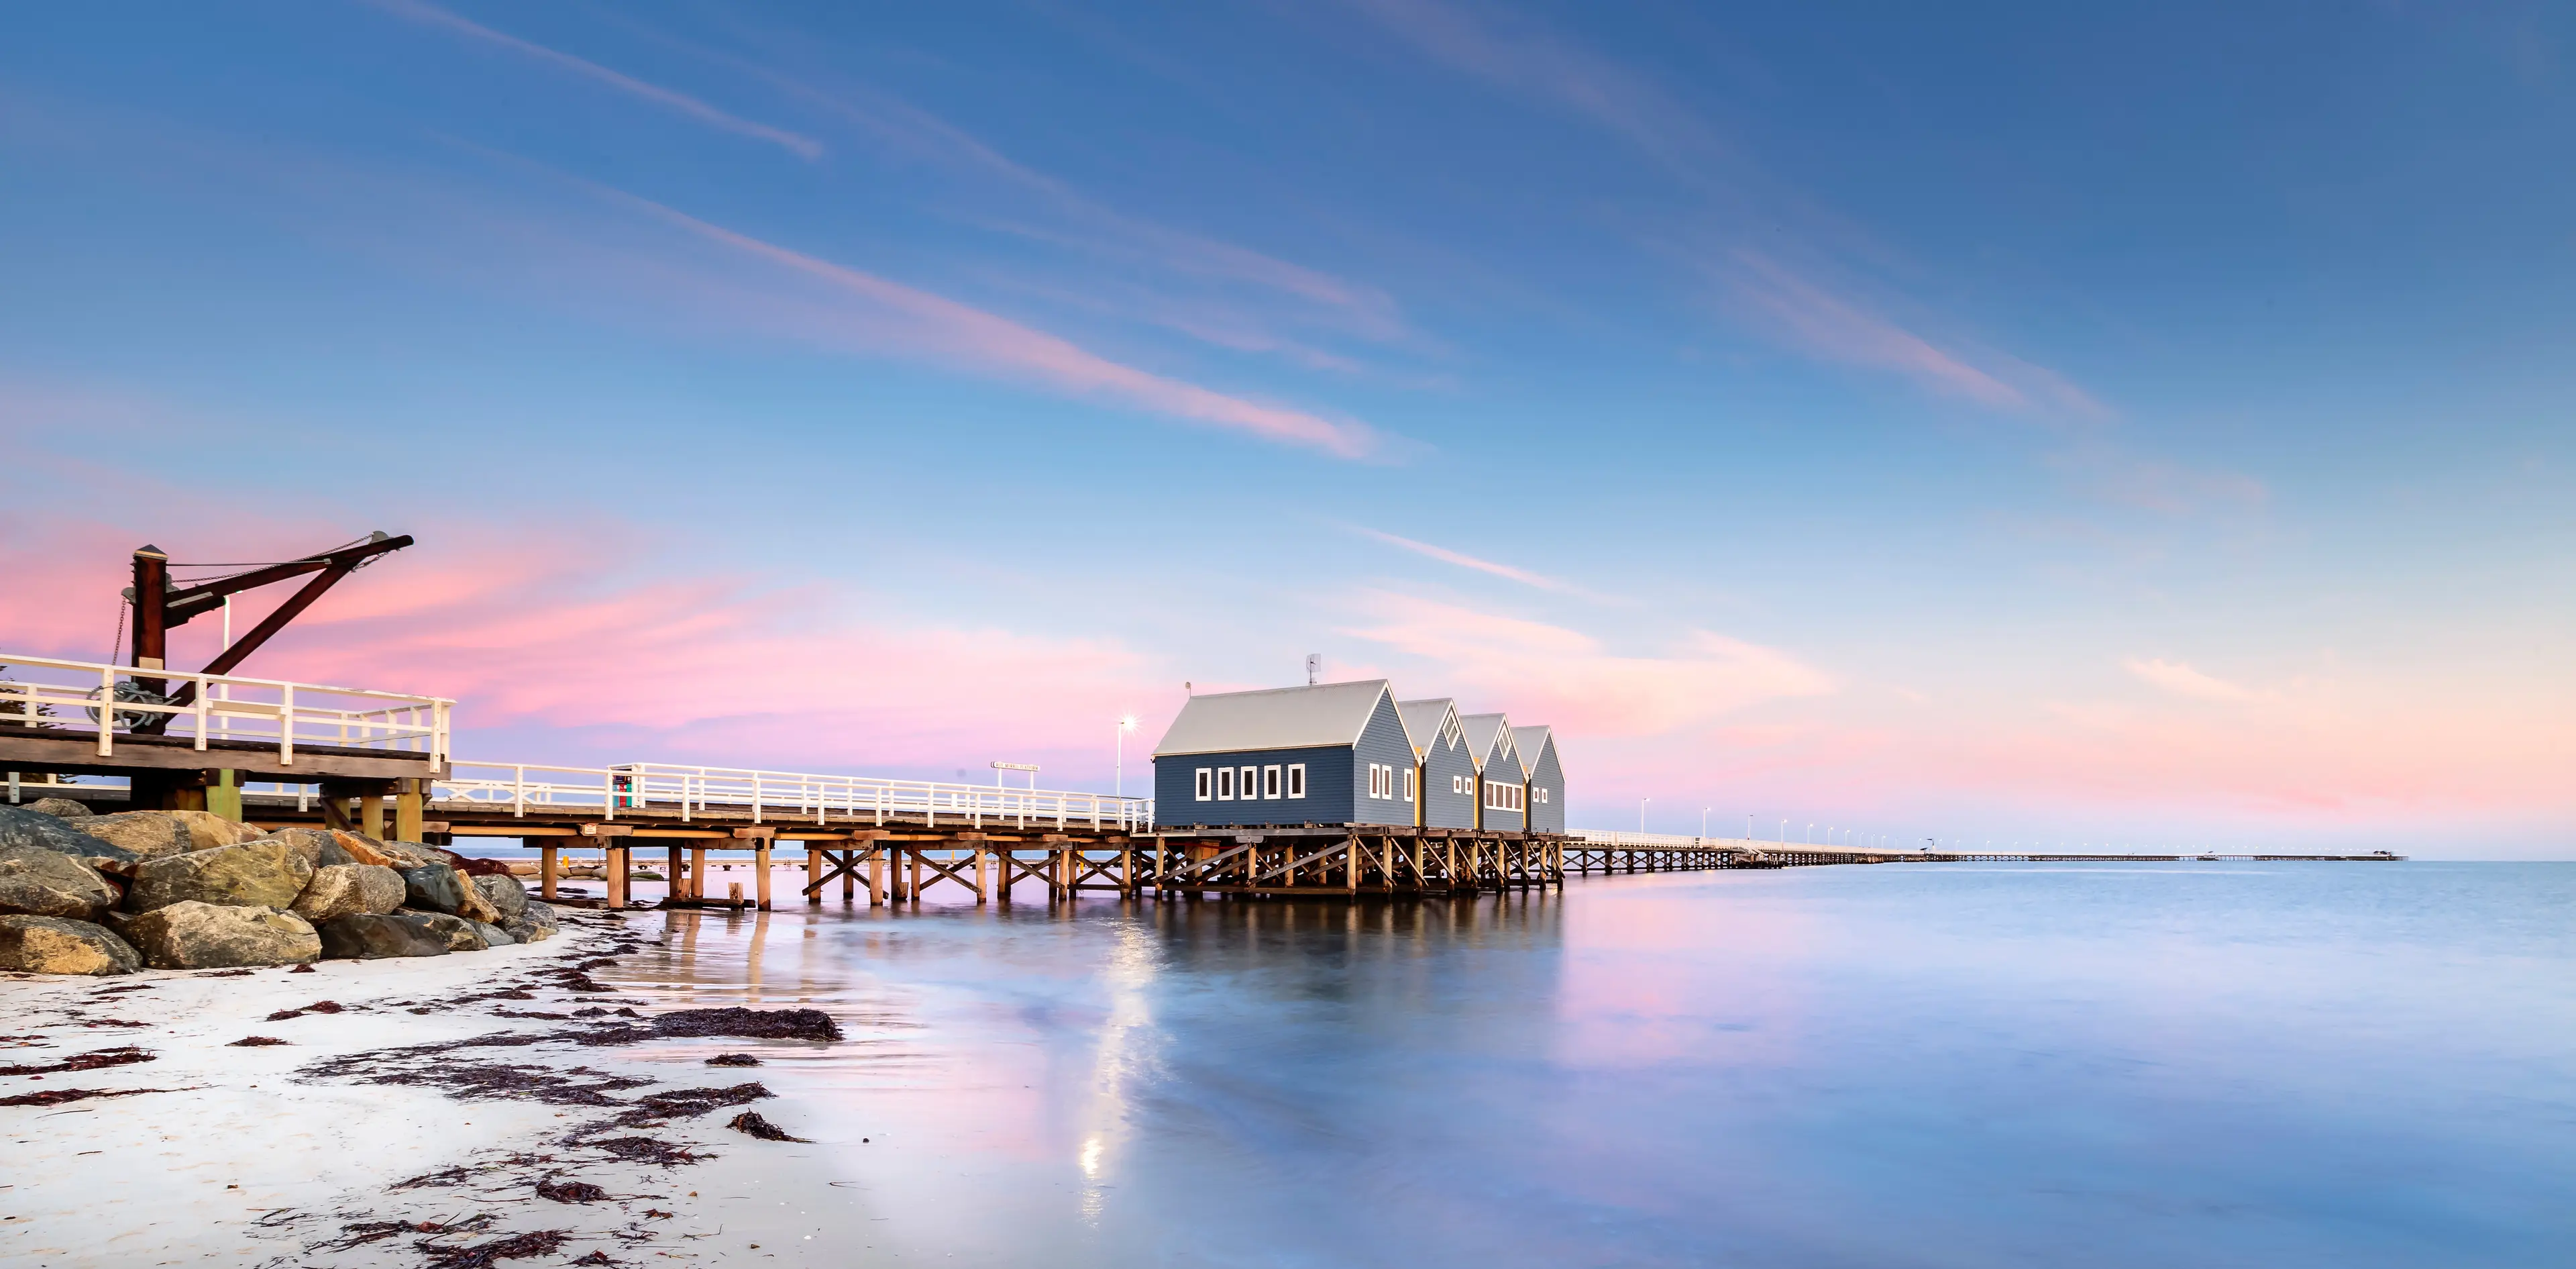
1251, 784
1270, 782
1542, 797
1408, 784
1457, 784
1225, 784
1206, 783
1296, 779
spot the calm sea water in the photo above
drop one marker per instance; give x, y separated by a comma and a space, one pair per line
1911, 1065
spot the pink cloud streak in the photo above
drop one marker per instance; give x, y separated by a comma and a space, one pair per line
973, 335
708, 668
1464, 560
431, 15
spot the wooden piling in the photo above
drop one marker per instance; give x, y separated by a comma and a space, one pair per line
618, 882
760, 865
549, 867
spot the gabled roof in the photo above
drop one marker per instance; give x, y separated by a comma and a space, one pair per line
1486, 734
1530, 742
1424, 720
1277, 718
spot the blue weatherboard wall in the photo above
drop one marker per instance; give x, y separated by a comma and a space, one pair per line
1382, 741
1329, 788
1445, 809
1548, 816
1506, 770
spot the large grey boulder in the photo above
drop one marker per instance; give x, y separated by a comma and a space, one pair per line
349, 890
375, 936
49, 883
206, 830
52, 945
264, 873
407, 855
535, 923
149, 834
433, 888
506, 895
59, 808
324, 848
193, 935
492, 935
22, 827
461, 934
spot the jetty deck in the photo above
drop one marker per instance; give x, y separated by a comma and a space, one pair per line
276, 753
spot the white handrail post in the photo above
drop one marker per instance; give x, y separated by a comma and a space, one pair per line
205, 709
286, 726
106, 710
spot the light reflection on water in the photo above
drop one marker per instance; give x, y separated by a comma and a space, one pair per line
2357, 1065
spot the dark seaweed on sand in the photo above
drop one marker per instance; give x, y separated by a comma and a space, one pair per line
753, 1123
123, 1056
542, 1242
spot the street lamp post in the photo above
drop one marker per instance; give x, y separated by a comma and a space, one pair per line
1703, 822
1641, 813
1126, 724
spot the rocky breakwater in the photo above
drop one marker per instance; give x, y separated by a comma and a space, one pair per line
110, 894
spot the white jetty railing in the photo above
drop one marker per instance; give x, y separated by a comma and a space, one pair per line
42, 692
826, 799
1652, 841
1677, 841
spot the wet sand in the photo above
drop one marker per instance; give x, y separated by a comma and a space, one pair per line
411, 1123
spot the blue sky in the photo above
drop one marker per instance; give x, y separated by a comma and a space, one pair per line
2009, 422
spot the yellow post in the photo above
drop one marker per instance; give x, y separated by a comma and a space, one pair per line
411, 803
224, 796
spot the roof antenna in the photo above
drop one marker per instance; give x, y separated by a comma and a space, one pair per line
1314, 667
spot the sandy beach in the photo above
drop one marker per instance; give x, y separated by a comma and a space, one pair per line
434, 1111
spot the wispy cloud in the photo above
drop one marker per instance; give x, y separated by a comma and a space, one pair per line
1735, 194
1464, 560
2182, 680
1543, 673
1042, 207
1837, 329
554, 658
428, 14
1518, 53
963, 333
2156, 485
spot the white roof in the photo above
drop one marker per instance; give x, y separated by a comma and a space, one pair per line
1424, 720
1277, 718
1485, 733
1530, 742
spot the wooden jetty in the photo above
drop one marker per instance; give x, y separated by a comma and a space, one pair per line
275, 753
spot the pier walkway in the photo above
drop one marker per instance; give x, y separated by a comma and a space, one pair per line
274, 752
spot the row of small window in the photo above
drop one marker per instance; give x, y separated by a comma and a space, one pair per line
1221, 784
1251, 784
1383, 781
1498, 796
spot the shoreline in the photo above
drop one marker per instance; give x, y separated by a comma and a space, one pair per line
409, 1120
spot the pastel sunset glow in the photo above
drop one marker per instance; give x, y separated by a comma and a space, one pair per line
1974, 426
